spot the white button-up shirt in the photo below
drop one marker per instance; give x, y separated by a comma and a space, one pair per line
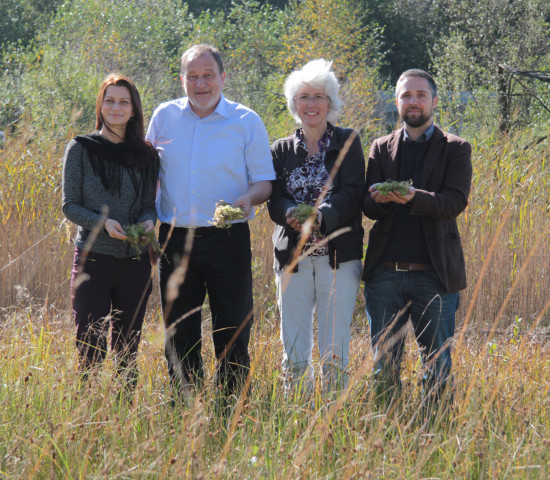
205, 160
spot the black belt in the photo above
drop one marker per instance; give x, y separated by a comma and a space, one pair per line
408, 267
204, 232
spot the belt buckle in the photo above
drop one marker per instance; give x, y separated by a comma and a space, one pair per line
397, 269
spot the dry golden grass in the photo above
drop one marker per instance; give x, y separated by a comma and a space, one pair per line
499, 426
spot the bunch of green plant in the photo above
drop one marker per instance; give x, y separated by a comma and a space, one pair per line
225, 213
302, 212
138, 237
393, 186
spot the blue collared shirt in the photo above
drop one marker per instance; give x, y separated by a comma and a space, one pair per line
205, 160
428, 133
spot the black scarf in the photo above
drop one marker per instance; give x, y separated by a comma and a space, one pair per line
108, 160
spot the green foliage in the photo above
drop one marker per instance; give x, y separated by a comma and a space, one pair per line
481, 36
53, 64
498, 31
20, 20
462, 43
138, 237
199, 6
58, 79
339, 31
303, 212
249, 37
409, 29
261, 45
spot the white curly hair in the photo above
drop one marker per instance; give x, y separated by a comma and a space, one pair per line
317, 74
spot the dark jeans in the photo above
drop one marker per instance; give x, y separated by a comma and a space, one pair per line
219, 264
432, 313
109, 292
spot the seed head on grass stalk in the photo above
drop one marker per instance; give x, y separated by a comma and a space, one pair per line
138, 237
225, 213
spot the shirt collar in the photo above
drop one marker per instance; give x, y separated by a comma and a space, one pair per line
425, 137
221, 108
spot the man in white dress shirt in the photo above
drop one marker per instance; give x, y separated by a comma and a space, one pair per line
210, 149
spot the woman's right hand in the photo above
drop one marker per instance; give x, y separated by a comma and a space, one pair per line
114, 229
294, 223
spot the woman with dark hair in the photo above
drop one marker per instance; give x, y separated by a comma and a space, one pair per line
109, 181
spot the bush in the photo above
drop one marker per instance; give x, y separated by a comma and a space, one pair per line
87, 40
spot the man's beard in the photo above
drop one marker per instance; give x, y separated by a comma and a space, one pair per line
422, 119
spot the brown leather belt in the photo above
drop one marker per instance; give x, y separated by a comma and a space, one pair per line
408, 267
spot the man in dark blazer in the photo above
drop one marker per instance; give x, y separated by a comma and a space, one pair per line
414, 265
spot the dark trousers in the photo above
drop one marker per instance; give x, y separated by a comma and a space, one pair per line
219, 263
109, 292
432, 313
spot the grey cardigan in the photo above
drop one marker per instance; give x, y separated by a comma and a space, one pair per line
84, 199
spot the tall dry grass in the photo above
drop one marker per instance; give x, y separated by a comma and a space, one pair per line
498, 427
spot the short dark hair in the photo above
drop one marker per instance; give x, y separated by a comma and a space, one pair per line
200, 50
416, 72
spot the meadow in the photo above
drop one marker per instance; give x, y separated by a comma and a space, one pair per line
497, 428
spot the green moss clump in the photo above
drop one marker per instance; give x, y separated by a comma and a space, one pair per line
393, 186
303, 211
138, 237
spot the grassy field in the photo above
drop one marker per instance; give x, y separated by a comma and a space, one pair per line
498, 427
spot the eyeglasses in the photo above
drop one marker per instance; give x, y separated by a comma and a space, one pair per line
315, 98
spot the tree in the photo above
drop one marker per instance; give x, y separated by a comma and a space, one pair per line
199, 6
22, 19
408, 30
484, 34
338, 30
58, 78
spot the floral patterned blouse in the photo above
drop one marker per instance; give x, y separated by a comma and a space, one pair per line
306, 182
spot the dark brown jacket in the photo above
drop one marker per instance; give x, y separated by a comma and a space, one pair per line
342, 209
439, 199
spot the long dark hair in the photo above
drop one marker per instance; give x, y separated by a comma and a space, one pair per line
134, 153
145, 156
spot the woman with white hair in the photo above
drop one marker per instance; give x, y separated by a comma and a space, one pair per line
326, 277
